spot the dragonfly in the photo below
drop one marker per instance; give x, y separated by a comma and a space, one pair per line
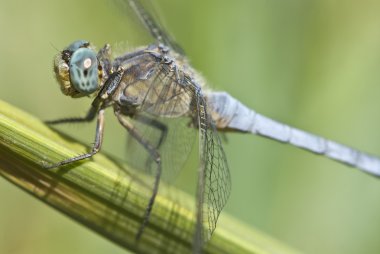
165, 106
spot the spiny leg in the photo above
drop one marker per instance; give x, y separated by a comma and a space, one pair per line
95, 148
156, 158
156, 124
145, 120
87, 118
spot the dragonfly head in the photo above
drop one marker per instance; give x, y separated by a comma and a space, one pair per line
77, 69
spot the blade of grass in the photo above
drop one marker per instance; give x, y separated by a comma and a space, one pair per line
107, 196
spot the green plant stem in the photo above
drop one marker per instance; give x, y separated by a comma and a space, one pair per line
109, 197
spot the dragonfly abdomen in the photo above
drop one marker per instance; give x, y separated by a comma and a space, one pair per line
231, 115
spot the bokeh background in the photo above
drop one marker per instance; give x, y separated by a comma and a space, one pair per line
312, 64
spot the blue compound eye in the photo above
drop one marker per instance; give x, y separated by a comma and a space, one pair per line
84, 71
77, 44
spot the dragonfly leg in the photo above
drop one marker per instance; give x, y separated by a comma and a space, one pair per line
95, 148
156, 124
156, 158
87, 118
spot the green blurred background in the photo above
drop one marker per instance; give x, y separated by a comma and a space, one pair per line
312, 64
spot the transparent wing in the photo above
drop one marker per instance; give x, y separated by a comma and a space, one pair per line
214, 183
174, 102
152, 26
171, 137
164, 121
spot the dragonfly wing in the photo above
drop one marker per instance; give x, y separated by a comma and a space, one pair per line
214, 181
151, 25
170, 99
163, 120
172, 139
